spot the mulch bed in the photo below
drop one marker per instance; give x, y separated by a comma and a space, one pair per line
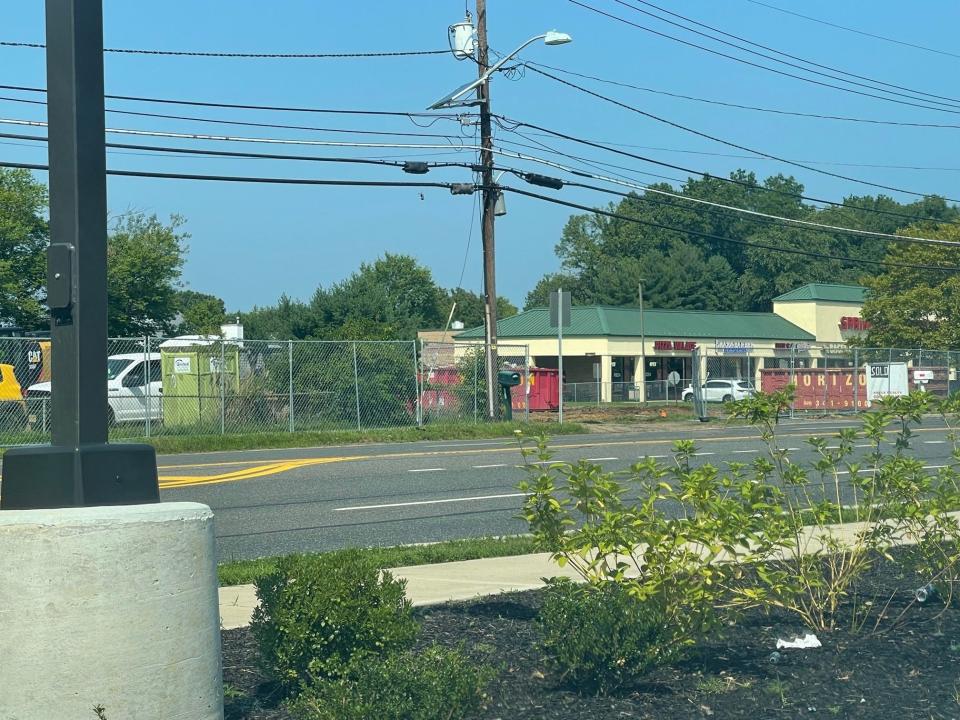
908, 671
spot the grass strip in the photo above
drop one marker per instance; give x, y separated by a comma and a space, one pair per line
241, 572
171, 444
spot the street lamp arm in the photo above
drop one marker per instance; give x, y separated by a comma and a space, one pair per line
551, 37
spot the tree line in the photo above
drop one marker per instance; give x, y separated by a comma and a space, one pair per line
688, 256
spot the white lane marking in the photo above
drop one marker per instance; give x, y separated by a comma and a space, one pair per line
653, 457
934, 442
426, 470
601, 459
741, 452
703, 453
466, 445
494, 465
473, 498
792, 449
867, 445
866, 471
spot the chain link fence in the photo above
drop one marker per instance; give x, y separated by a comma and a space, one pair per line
208, 385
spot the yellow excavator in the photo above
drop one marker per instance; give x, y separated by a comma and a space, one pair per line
24, 361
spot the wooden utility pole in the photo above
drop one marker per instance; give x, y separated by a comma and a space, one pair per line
487, 215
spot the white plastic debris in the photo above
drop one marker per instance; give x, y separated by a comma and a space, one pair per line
799, 643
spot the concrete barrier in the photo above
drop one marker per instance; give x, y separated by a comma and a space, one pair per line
112, 607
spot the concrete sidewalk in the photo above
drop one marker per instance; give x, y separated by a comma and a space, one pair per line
466, 579
429, 584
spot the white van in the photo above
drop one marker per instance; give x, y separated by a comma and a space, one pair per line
133, 385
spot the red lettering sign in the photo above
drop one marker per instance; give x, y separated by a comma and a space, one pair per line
684, 345
854, 323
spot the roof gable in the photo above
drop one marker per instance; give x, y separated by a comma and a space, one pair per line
601, 321
826, 292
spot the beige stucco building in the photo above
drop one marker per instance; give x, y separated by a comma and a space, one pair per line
615, 354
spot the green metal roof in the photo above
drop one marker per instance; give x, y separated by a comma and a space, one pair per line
600, 320
826, 292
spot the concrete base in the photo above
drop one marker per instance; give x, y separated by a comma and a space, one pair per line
113, 607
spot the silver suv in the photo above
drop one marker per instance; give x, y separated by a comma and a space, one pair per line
721, 391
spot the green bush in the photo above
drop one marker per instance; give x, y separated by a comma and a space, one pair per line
599, 639
317, 612
436, 684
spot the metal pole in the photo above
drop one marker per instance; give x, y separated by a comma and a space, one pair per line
418, 411
78, 221
146, 383
526, 405
61, 475
223, 390
856, 380
476, 389
560, 353
643, 349
356, 383
488, 214
290, 384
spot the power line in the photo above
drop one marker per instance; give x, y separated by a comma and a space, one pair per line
248, 123
250, 155
242, 106
714, 138
330, 143
738, 106
257, 179
313, 128
271, 56
951, 100
765, 67
741, 183
720, 238
855, 30
455, 186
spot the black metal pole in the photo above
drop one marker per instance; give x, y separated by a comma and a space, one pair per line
79, 468
78, 219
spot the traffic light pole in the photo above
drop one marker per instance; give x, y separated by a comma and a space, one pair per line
487, 216
79, 468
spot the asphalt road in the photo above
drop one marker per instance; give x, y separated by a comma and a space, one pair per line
270, 502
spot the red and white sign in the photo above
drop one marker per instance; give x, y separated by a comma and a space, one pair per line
856, 324
685, 345
922, 376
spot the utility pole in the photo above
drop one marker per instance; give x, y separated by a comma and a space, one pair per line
487, 214
643, 348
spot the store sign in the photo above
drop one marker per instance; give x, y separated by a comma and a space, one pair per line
685, 345
835, 349
854, 324
734, 347
794, 347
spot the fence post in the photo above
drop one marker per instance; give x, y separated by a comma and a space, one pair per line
290, 384
475, 363
856, 380
223, 390
526, 390
356, 383
793, 376
146, 382
417, 409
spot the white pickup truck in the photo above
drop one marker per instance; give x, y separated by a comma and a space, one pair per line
133, 385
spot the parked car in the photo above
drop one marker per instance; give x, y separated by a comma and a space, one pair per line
721, 391
134, 383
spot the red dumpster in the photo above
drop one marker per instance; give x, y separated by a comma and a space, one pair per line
542, 387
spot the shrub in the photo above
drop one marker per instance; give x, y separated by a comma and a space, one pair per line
317, 612
435, 684
601, 639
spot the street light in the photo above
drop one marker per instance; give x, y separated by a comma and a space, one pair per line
551, 37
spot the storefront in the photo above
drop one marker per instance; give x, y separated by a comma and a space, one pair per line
607, 357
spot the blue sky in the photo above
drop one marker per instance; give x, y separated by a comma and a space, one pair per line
250, 243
